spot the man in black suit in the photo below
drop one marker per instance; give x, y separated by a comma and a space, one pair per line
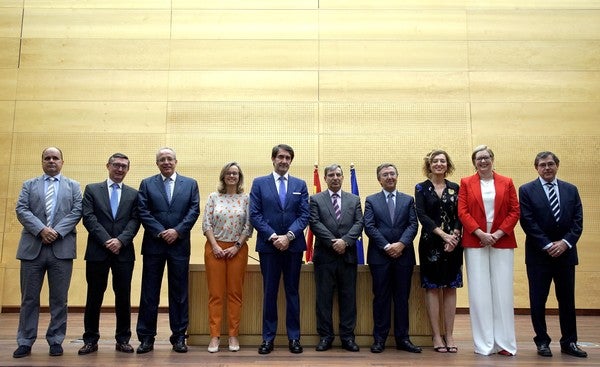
169, 205
336, 221
391, 225
110, 216
552, 218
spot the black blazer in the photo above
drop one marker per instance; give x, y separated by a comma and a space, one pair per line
541, 228
98, 220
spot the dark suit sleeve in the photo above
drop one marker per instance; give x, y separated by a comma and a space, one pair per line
316, 222
151, 225
193, 211
576, 225
356, 230
133, 224
256, 210
371, 225
303, 212
410, 232
90, 220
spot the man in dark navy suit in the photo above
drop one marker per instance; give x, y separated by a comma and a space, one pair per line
552, 218
110, 215
279, 212
169, 205
391, 225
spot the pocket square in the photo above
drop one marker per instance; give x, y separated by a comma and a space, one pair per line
296, 193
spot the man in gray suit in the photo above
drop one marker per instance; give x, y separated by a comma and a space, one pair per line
336, 220
110, 215
49, 208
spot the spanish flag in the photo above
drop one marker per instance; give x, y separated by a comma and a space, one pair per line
309, 234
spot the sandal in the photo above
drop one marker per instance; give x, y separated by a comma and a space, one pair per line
440, 349
453, 349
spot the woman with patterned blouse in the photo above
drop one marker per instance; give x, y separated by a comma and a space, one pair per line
226, 226
440, 251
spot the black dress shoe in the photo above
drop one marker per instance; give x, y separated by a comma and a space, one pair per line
324, 344
22, 351
295, 346
145, 347
123, 347
266, 347
179, 346
573, 350
56, 350
543, 349
377, 347
408, 346
88, 348
350, 345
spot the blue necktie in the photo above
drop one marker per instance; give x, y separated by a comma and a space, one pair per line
391, 205
282, 191
114, 199
168, 188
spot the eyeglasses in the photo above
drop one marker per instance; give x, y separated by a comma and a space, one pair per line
484, 158
119, 165
547, 165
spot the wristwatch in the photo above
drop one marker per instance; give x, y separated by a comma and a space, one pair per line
238, 244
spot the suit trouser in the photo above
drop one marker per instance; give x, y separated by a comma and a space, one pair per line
96, 275
272, 265
32, 278
178, 279
540, 276
329, 277
390, 281
491, 306
225, 277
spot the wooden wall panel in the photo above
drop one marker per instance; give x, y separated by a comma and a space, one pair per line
8, 84
243, 86
98, 4
246, 4
10, 22
96, 23
534, 55
244, 55
382, 55
458, 4
392, 25
90, 117
519, 25
92, 85
245, 24
93, 54
7, 113
9, 53
563, 86
393, 86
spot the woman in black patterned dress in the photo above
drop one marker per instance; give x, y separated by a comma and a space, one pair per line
440, 252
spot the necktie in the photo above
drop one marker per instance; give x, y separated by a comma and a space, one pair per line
391, 205
282, 191
114, 199
336, 206
49, 200
168, 182
554, 204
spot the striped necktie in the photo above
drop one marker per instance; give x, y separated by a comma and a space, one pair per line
49, 200
336, 206
554, 204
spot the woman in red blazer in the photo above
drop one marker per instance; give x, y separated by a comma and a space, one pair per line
488, 209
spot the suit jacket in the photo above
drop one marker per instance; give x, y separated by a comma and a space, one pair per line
31, 212
326, 227
472, 212
381, 230
156, 214
540, 226
268, 216
101, 226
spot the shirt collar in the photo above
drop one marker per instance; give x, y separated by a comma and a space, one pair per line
173, 177
110, 182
